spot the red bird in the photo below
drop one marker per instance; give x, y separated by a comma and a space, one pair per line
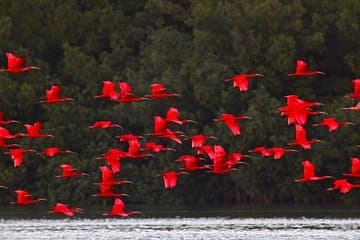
241, 81
106, 191
355, 168
161, 130
191, 162
61, 208
170, 178
198, 140
104, 124
126, 94
353, 108
3, 122
300, 138
53, 95
24, 198
118, 210
279, 152
108, 91
231, 121
33, 131
5, 134
52, 151
263, 151
302, 70
112, 157
172, 115
155, 148
356, 93
159, 91
68, 171
332, 124
15, 64
343, 186
309, 173
17, 155
108, 177
206, 150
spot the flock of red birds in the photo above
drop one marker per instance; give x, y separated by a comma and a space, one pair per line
296, 111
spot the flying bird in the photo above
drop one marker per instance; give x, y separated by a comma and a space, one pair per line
16, 64
302, 70
355, 168
231, 121
309, 173
34, 131
158, 91
332, 124
300, 138
172, 115
17, 155
108, 177
118, 210
198, 140
25, 198
241, 81
61, 208
109, 91
356, 93
106, 191
170, 178
104, 124
53, 151
343, 186
53, 95
155, 147
126, 94
3, 121
68, 171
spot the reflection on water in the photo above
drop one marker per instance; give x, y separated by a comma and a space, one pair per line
181, 228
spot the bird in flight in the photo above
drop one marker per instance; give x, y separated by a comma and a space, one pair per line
158, 91
104, 124
231, 121
343, 186
68, 171
309, 173
332, 124
355, 168
53, 95
16, 64
118, 210
34, 131
241, 81
25, 198
300, 138
302, 70
61, 208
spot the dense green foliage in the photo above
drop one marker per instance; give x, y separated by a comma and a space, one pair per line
191, 47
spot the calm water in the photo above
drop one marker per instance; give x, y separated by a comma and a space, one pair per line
182, 228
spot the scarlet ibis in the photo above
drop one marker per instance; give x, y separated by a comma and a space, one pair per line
126, 94
159, 91
241, 81
302, 70
53, 95
155, 147
106, 191
279, 151
3, 121
161, 130
332, 124
52, 151
68, 171
207, 150
108, 91
108, 177
118, 210
61, 208
263, 151
355, 168
17, 155
112, 157
300, 138
224, 163
104, 124
191, 162
24, 198
170, 178
343, 185
5, 134
353, 108
198, 140
34, 131
231, 121
309, 173
16, 64
172, 115
356, 93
